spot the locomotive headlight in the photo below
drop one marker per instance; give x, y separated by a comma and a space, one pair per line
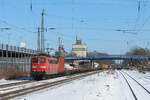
43, 66
33, 66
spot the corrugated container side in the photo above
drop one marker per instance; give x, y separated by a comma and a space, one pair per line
61, 64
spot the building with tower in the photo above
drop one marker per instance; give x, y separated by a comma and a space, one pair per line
79, 49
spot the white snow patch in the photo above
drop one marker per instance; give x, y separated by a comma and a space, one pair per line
67, 66
101, 86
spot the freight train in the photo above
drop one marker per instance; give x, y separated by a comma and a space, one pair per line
104, 66
43, 66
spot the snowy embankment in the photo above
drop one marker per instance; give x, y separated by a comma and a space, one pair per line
100, 86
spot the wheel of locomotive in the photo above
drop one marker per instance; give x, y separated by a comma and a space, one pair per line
37, 77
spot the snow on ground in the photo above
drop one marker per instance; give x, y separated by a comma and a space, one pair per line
21, 79
4, 81
142, 78
34, 83
142, 95
22, 86
106, 85
100, 86
123, 90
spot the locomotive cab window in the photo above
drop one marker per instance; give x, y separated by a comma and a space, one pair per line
53, 61
35, 60
42, 60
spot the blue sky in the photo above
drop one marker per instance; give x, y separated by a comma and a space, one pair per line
94, 21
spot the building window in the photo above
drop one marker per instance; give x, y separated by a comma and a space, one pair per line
78, 49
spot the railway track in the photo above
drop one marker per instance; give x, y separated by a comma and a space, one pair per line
10, 86
135, 92
137, 82
135, 97
21, 92
14, 84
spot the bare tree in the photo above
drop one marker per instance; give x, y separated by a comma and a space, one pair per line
137, 51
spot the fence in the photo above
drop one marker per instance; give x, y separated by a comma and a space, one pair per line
15, 58
17, 64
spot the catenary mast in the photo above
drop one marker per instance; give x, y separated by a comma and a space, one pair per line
42, 32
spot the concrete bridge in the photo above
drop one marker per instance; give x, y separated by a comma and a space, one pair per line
14, 51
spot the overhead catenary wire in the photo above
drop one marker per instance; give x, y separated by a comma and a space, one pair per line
140, 29
15, 29
140, 7
14, 26
138, 14
67, 19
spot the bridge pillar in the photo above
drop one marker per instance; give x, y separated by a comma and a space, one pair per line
92, 63
2, 51
7, 50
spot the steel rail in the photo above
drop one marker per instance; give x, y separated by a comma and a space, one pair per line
21, 92
137, 82
129, 87
13, 84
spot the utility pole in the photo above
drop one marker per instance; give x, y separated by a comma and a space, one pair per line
42, 32
59, 43
76, 38
38, 41
41, 39
9, 38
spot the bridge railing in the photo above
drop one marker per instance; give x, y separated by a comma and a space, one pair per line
111, 57
17, 49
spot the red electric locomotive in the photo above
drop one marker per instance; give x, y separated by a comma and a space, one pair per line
42, 66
